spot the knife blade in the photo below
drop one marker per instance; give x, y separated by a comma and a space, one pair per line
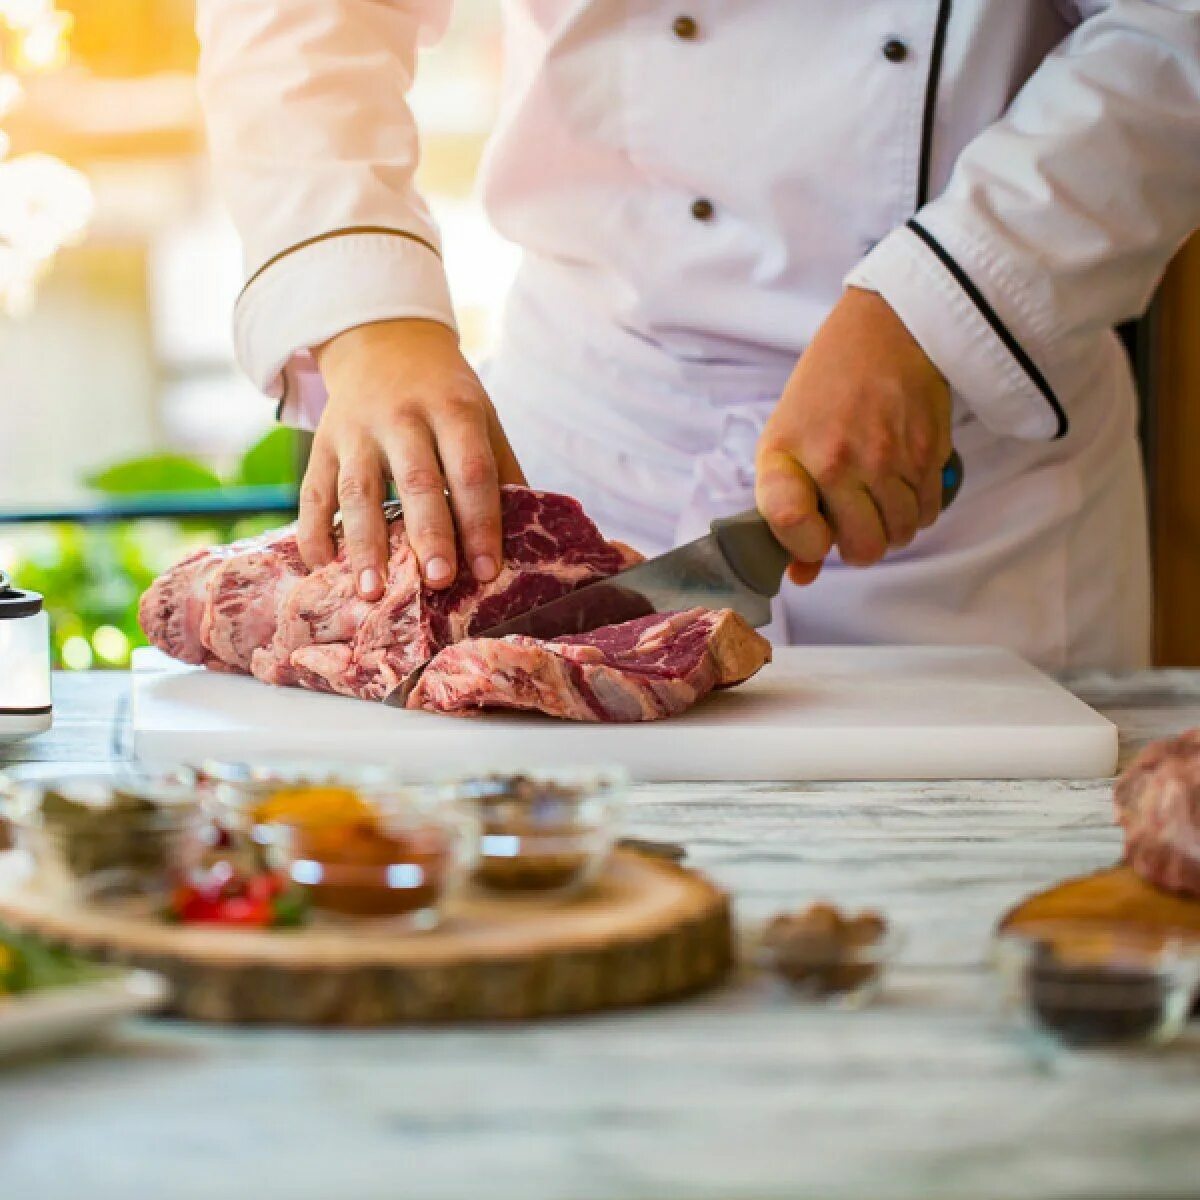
738, 564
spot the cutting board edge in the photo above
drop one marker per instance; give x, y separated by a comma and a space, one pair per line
1085, 749
1086, 762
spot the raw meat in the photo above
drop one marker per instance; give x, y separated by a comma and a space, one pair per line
216, 606
1158, 805
252, 607
244, 595
640, 670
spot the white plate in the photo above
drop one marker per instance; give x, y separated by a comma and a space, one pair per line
74, 1013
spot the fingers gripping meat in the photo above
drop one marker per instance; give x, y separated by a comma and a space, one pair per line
251, 606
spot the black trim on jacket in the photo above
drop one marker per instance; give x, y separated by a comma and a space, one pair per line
931, 94
999, 328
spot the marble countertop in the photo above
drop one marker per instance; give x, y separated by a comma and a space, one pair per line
743, 1093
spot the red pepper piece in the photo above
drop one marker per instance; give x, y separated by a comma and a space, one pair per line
190, 904
230, 901
242, 910
264, 887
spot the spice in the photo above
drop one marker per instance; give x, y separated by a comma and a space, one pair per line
824, 950
111, 841
312, 805
534, 836
352, 852
1090, 992
529, 871
360, 869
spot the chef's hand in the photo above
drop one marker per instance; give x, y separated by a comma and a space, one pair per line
861, 433
404, 403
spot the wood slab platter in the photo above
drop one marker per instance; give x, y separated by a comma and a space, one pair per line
647, 930
1111, 901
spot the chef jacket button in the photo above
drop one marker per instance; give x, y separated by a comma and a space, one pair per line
702, 209
894, 50
686, 28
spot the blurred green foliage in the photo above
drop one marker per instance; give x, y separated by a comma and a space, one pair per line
156, 473
271, 460
93, 575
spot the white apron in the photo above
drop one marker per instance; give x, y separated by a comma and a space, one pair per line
1044, 551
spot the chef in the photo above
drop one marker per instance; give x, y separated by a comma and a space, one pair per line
783, 252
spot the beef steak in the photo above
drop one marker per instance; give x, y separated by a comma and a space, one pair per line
640, 670
1158, 806
252, 607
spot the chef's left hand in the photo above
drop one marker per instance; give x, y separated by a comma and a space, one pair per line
860, 434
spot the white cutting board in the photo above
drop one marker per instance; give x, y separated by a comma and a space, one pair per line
819, 712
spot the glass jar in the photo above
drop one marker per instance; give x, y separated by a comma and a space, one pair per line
823, 954
101, 837
357, 840
547, 832
1087, 987
25, 707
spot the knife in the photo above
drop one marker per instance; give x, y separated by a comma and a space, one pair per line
738, 564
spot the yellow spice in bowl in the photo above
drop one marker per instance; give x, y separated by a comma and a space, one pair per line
316, 805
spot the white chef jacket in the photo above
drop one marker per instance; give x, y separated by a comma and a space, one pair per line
692, 183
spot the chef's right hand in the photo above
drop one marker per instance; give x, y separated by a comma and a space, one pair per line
405, 404
854, 450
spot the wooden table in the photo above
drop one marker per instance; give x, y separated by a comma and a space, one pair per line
741, 1094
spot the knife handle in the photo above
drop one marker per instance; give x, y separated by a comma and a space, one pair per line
952, 478
752, 551
758, 559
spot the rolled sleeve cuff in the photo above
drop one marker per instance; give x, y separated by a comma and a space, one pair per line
961, 332
337, 281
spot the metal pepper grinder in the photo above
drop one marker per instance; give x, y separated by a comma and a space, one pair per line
25, 707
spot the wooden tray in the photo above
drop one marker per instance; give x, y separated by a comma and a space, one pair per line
647, 931
1113, 901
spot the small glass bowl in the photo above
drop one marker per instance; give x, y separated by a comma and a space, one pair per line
103, 836
544, 832
357, 840
1090, 988
850, 976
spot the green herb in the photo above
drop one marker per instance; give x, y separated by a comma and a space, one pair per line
290, 909
28, 964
